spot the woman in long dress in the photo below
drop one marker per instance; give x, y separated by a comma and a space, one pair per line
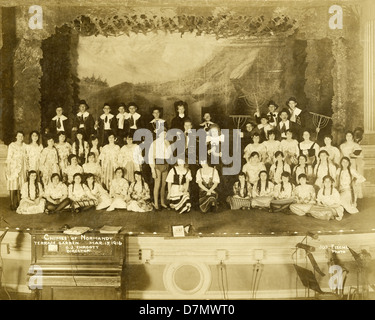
241, 198
208, 180
80, 195
353, 151
263, 191
119, 188
130, 158
33, 153
289, 147
56, 195
272, 146
278, 168
253, 167
323, 167
63, 150
328, 202
109, 160
16, 169
348, 180
101, 195
178, 181
334, 153
308, 148
283, 194
49, 161
32, 201
139, 193
305, 197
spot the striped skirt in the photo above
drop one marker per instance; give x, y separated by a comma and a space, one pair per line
207, 201
237, 203
181, 203
84, 203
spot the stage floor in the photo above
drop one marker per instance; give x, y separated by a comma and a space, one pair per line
222, 223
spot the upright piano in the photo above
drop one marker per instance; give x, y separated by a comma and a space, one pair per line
73, 267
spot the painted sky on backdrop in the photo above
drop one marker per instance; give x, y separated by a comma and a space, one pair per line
139, 58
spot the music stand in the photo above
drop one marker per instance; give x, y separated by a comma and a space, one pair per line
308, 279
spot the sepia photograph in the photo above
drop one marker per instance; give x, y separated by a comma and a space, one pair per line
187, 150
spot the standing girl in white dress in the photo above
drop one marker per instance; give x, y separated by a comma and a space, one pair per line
289, 147
33, 152
272, 146
119, 191
130, 158
348, 180
49, 161
353, 151
16, 169
101, 195
63, 150
109, 160
334, 153
32, 201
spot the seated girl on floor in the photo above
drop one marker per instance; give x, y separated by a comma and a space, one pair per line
139, 193
283, 194
101, 195
56, 195
253, 167
32, 201
348, 180
241, 198
178, 180
79, 194
119, 191
328, 202
278, 168
262, 191
305, 196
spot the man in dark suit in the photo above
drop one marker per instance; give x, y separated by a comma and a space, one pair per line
106, 125
272, 115
285, 124
122, 124
296, 114
59, 123
157, 124
181, 115
84, 120
135, 120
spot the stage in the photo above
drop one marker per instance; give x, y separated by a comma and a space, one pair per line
224, 222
